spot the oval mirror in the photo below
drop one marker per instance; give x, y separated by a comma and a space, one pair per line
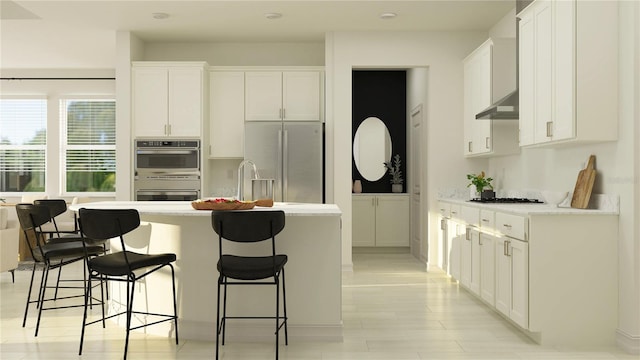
371, 148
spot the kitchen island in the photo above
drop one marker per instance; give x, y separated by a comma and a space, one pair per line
311, 239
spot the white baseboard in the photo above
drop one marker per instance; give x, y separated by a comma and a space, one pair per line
627, 342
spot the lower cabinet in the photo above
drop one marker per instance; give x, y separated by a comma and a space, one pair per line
512, 279
380, 220
487, 243
537, 269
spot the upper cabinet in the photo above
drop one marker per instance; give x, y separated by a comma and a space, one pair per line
489, 74
283, 95
568, 72
167, 99
226, 89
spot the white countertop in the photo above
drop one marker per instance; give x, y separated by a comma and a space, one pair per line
183, 208
531, 208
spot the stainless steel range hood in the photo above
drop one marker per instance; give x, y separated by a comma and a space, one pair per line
503, 109
507, 107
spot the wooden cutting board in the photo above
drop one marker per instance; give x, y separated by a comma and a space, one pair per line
584, 185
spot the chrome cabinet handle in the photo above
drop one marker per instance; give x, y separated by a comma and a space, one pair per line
486, 142
549, 129
442, 224
469, 146
485, 220
507, 226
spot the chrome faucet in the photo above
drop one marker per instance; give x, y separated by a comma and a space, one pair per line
240, 195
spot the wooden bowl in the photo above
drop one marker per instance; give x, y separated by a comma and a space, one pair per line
204, 205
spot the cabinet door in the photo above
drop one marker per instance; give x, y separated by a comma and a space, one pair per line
487, 268
476, 262
301, 95
392, 220
503, 276
455, 249
519, 310
477, 92
185, 102
227, 114
150, 101
465, 260
526, 75
263, 96
543, 72
363, 218
564, 24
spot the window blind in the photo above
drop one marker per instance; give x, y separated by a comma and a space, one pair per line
23, 138
89, 140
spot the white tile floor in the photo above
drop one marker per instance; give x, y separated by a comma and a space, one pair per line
392, 310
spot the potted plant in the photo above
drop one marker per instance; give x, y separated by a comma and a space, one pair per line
482, 185
396, 174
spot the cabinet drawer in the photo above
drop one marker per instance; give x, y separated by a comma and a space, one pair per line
512, 225
456, 213
471, 215
444, 209
487, 220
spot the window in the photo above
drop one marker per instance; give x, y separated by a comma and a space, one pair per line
89, 145
23, 140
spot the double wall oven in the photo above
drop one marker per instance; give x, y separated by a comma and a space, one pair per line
167, 170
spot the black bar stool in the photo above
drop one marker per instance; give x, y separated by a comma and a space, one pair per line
123, 266
250, 227
54, 255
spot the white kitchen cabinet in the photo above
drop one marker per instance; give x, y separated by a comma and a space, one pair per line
489, 74
568, 71
536, 267
512, 267
380, 220
512, 279
283, 95
226, 93
167, 99
487, 266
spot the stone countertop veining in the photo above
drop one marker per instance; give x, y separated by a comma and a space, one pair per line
183, 208
535, 209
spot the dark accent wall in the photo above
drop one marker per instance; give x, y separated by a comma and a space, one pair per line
381, 94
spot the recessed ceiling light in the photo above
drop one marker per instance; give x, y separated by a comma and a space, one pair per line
160, 15
388, 15
273, 16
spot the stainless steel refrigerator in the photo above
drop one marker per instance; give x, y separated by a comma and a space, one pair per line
289, 152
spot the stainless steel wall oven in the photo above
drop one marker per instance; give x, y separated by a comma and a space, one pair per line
167, 170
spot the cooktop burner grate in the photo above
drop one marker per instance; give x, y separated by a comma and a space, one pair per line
508, 201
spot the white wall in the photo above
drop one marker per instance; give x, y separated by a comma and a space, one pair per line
239, 54
442, 54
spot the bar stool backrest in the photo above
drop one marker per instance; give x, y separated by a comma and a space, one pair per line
101, 224
247, 226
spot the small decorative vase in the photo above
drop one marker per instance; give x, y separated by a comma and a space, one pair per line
473, 194
396, 188
357, 186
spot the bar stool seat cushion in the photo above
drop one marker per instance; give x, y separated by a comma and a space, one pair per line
116, 265
254, 268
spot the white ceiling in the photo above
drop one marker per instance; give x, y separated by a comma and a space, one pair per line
81, 33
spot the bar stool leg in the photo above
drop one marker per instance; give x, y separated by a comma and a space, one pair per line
26, 309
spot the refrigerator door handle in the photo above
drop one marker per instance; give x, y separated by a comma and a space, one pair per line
285, 165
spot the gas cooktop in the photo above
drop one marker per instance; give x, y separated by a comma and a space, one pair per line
508, 201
